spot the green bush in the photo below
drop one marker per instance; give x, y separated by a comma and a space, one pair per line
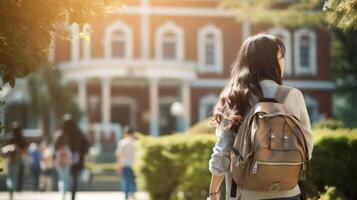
179, 162
329, 124
334, 160
331, 193
202, 127
170, 164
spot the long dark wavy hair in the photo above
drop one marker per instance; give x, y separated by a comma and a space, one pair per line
257, 60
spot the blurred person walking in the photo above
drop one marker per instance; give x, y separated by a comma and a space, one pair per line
34, 157
13, 152
46, 165
63, 157
71, 136
125, 159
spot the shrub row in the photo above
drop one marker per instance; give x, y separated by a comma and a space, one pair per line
170, 164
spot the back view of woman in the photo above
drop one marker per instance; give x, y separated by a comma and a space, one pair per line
256, 74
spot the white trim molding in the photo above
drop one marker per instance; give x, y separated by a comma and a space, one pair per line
312, 68
286, 38
301, 84
170, 27
128, 39
217, 42
204, 103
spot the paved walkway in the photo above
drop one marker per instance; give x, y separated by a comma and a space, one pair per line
79, 196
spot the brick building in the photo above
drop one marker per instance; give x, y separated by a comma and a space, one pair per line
132, 66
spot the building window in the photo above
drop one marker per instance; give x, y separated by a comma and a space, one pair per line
118, 44
285, 36
118, 41
170, 42
210, 49
305, 52
169, 46
207, 103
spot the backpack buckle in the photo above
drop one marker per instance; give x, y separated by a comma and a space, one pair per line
275, 187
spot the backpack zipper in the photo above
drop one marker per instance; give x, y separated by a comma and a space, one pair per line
255, 167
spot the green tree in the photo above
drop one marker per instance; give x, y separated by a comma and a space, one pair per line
341, 14
26, 28
48, 94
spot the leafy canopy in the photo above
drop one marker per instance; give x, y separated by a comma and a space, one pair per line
26, 27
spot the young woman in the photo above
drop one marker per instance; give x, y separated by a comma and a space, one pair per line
256, 73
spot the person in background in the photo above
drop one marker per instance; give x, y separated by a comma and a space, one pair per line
125, 159
63, 157
15, 167
78, 144
34, 165
46, 167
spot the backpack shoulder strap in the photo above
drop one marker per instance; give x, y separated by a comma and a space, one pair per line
281, 93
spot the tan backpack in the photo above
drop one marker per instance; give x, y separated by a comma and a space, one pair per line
269, 153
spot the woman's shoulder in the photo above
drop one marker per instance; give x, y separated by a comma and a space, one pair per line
293, 93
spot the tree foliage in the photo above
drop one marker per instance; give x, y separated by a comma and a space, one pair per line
305, 12
341, 14
48, 93
26, 27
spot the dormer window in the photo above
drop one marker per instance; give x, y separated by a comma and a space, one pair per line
170, 42
118, 41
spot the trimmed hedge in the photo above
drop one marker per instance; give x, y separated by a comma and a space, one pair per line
170, 164
334, 160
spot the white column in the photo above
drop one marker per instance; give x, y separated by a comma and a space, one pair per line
245, 29
74, 42
52, 48
86, 41
106, 103
145, 27
186, 102
154, 107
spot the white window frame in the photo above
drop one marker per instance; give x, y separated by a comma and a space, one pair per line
287, 42
170, 27
217, 32
203, 104
128, 34
312, 70
312, 102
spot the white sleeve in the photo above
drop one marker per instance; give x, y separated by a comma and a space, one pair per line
296, 102
119, 149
